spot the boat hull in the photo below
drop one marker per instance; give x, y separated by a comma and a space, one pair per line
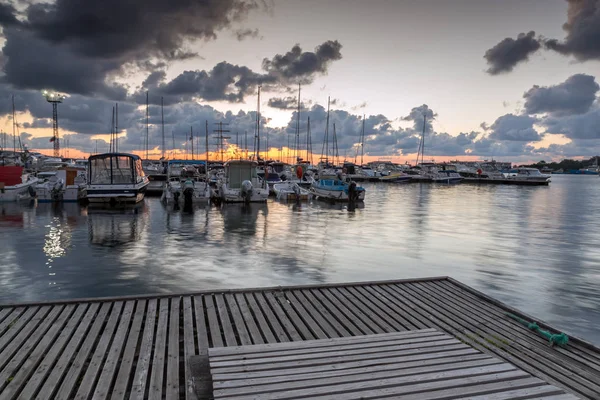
259, 195
334, 194
69, 194
291, 192
22, 191
113, 194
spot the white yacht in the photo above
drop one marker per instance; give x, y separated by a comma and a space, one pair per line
527, 174
184, 183
241, 184
116, 178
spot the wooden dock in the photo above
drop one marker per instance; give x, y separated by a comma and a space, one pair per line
139, 347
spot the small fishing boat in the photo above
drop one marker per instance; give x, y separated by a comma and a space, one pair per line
337, 190
116, 178
63, 185
241, 184
291, 191
185, 184
16, 184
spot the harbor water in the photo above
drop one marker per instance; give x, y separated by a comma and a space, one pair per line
535, 248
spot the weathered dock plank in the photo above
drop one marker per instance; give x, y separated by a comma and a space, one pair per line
139, 347
342, 382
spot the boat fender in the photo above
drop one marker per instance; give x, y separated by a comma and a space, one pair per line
299, 172
31, 191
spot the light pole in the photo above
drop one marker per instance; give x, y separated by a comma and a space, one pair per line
54, 98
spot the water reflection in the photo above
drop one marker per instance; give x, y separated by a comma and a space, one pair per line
535, 248
112, 228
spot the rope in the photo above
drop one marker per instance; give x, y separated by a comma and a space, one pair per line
560, 339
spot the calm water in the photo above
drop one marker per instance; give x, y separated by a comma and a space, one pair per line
536, 248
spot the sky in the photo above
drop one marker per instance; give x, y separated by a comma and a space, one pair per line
511, 79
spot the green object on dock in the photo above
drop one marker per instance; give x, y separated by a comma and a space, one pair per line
560, 339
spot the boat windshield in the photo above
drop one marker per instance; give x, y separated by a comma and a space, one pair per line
113, 170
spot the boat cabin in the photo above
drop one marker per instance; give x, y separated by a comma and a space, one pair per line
115, 169
238, 171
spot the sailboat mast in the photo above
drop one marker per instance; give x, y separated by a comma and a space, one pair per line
162, 121
423, 139
297, 139
307, 137
257, 150
147, 121
206, 149
117, 127
362, 141
327, 133
335, 151
173, 138
112, 128
14, 124
192, 140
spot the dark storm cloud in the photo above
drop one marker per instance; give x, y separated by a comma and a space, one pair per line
297, 66
582, 126
8, 15
583, 31
573, 96
231, 83
517, 128
77, 47
242, 34
504, 56
225, 81
135, 29
283, 103
34, 63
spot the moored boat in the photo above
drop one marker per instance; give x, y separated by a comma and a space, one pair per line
63, 185
16, 184
291, 191
241, 184
116, 178
337, 190
185, 184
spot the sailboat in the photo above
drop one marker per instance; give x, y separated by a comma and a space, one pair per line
429, 171
334, 187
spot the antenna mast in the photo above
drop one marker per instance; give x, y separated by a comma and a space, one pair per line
192, 140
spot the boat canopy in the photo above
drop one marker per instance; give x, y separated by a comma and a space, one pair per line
115, 169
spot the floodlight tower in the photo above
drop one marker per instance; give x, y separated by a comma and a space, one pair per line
54, 99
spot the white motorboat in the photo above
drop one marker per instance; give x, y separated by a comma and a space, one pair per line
395, 177
63, 185
185, 184
116, 178
291, 191
241, 184
15, 184
337, 190
527, 174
